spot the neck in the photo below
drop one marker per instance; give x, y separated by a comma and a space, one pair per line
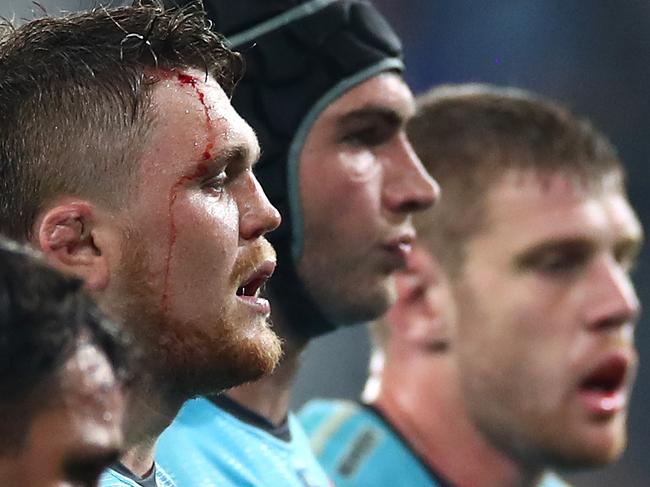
150, 412
270, 396
447, 439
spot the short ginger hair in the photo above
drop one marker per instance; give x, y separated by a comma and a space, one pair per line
75, 93
469, 136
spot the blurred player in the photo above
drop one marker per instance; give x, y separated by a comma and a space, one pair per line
323, 90
510, 350
62, 367
122, 158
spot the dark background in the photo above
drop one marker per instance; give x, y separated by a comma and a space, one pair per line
593, 56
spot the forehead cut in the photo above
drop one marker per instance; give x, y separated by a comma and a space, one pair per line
76, 98
199, 113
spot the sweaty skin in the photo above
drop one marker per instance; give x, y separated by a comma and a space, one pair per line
360, 183
358, 205
547, 301
543, 300
190, 239
201, 170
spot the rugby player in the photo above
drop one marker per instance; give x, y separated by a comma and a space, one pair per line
324, 92
510, 350
122, 159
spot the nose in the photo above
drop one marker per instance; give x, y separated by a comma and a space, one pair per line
257, 215
614, 300
407, 186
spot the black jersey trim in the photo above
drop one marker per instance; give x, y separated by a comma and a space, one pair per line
148, 481
246, 415
435, 476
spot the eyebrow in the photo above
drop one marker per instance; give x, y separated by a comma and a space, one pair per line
372, 113
237, 154
531, 254
629, 244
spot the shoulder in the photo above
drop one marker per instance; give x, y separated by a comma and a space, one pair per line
328, 422
356, 447
208, 446
328, 416
112, 478
194, 449
163, 479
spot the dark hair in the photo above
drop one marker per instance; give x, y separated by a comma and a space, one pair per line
469, 136
43, 316
76, 105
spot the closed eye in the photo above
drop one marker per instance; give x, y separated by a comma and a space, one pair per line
369, 136
369, 127
557, 258
626, 253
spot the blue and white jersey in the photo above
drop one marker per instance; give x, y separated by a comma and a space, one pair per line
358, 448
209, 446
120, 477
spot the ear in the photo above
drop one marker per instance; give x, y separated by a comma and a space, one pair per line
67, 234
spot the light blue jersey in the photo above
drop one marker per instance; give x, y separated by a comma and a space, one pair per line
112, 478
207, 446
358, 448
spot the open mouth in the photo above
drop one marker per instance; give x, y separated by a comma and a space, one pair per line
608, 377
248, 292
251, 286
604, 389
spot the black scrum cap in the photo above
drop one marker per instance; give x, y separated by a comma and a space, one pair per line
300, 56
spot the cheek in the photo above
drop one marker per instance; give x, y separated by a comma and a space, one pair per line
359, 166
550, 318
493, 324
221, 217
207, 238
538, 342
210, 223
330, 184
208, 214
359, 186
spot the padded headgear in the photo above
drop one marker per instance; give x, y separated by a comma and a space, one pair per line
300, 57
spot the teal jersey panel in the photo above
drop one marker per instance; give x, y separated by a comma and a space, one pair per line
357, 449
208, 447
113, 478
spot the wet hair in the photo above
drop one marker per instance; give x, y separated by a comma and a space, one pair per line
44, 318
75, 93
469, 136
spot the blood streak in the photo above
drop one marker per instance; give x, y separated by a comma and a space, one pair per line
186, 79
206, 153
201, 170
